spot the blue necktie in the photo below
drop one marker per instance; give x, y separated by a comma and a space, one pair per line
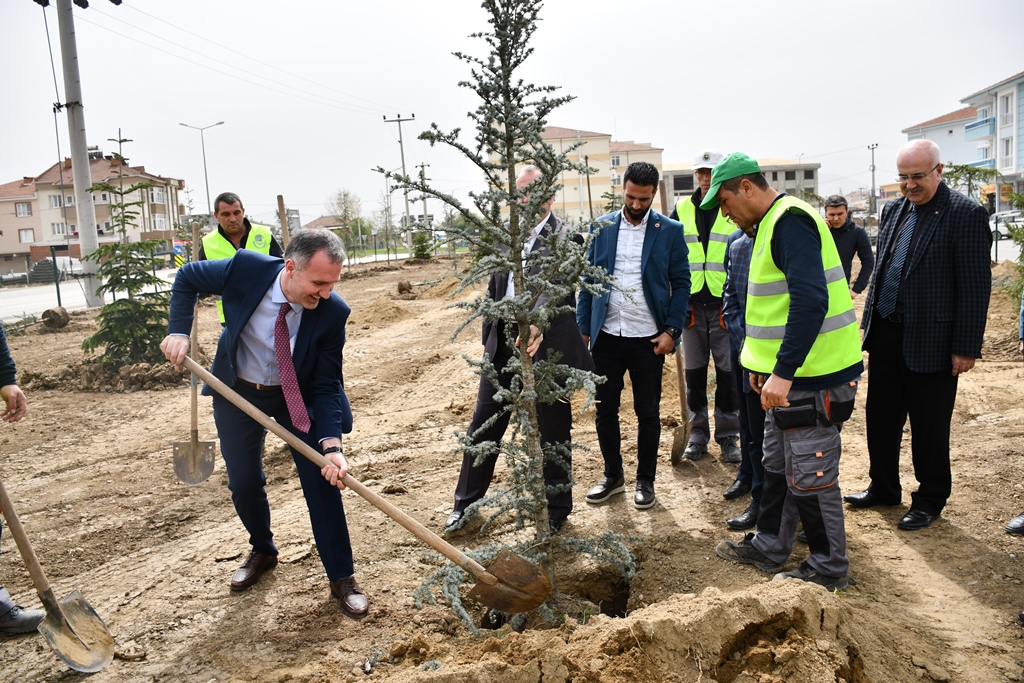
891, 286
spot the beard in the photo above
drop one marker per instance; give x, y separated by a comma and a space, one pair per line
634, 216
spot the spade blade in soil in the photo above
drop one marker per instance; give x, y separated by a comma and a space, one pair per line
76, 633
193, 460
680, 439
522, 586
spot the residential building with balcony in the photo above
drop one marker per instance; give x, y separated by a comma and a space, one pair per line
39, 212
951, 133
998, 133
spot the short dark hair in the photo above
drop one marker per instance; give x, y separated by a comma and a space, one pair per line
836, 200
733, 184
641, 173
307, 242
226, 198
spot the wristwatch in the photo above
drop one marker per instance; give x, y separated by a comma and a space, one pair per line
674, 332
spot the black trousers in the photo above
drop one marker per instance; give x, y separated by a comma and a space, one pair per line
555, 421
614, 357
894, 394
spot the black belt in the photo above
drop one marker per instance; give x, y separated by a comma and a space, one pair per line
896, 318
259, 387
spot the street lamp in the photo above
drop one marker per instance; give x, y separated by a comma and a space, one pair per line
202, 140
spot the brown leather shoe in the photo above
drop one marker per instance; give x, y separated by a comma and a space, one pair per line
353, 599
252, 569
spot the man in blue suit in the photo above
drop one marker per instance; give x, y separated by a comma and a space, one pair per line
631, 327
270, 303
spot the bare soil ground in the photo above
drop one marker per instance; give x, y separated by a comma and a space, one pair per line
90, 471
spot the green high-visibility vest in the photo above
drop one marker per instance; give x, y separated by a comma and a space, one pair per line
216, 247
837, 345
709, 266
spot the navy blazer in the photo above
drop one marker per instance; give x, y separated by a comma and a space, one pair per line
242, 282
562, 334
664, 272
948, 282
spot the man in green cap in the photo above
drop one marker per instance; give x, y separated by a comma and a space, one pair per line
802, 350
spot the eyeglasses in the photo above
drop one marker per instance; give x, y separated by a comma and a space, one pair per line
916, 177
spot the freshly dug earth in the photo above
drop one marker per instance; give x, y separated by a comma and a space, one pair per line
90, 470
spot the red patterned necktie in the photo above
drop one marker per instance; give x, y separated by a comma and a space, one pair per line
286, 368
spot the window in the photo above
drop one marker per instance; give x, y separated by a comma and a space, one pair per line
615, 160
809, 175
1006, 109
26, 235
682, 183
1006, 158
22, 209
69, 200
58, 229
159, 221
106, 225
775, 175
101, 198
55, 201
156, 195
982, 113
790, 175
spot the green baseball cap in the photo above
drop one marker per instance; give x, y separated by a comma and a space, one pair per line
732, 166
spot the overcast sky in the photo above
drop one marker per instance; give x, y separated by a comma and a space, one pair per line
303, 88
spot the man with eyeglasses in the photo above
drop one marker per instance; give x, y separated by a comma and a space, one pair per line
924, 320
850, 239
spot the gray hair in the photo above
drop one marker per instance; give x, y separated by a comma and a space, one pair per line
304, 244
836, 200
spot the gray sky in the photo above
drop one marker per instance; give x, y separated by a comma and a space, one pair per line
303, 87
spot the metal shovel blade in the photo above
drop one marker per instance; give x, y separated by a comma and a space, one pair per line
193, 460
522, 586
76, 633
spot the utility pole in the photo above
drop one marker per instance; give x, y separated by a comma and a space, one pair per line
426, 224
86, 210
398, 119
871, 203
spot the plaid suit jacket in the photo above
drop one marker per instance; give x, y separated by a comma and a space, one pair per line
948, 283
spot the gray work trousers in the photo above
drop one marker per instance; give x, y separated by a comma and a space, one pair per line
802, 483
704, 339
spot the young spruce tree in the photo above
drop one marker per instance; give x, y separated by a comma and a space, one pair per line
508, 135
131, 327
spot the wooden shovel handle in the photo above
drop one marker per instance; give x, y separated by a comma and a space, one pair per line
420, 531
24, 547
682, 384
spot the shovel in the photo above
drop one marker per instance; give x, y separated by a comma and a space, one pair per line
193, 459
72, 628
513, 584
681, 434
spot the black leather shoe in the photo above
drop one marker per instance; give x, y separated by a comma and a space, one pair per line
801, 536
605, 489
730, 450
1016, 525
695, 451
746, 520
453, 519
19, 620
555, 525
738, 488
916, 519
644, 496
252, 569
353, 599
867, 499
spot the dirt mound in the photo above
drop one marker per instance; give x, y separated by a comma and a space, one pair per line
441, 290
773, 632
381, 311
1001, 331
1003, 272
89, 375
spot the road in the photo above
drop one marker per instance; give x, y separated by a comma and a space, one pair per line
20, 301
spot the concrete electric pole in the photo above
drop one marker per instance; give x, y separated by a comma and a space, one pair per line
398, 119
872, 147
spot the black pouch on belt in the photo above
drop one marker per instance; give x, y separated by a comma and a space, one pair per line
799, 414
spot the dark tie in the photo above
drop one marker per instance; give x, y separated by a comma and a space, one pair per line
286, 368
891, 286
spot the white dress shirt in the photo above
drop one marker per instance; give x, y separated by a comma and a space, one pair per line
511, 289
257, 361
628, 314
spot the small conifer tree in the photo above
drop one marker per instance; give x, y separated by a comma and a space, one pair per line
131, 327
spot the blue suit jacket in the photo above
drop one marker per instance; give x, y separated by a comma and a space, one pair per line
242, 282
664, 272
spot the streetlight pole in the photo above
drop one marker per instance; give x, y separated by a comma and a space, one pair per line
871, 202
202, 141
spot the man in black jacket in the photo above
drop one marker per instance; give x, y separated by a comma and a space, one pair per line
850, 239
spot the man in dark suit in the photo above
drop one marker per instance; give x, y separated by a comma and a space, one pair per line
924, 320
634, 324
282, 351
491, 416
